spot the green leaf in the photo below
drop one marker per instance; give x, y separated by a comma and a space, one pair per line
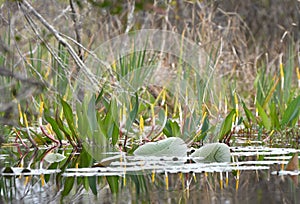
274, 116
93, 184
226, 125
69, 116
91, 113
68, 185
111, 115
85, 159
171, 129
82, 121
172, 146
133, 113
85, 183
266, 122
99, 97
291, 113
204, 129
113, 182
214, 152
62, 127
108, 127
115, 133
248, 113
54, 157
54, 126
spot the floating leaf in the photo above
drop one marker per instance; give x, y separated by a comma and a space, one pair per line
214, 152
172, 146
54, 157
8, 170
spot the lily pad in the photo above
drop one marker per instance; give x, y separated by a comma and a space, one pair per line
172, 146
214, 152
54, 157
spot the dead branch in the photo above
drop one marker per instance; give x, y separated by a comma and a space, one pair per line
30, 10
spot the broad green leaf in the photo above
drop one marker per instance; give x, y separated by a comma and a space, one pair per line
68, 185
205, 126
274, 116
113, 182
172, 146
171, 129
69, 116
204, 130
54, 157
115, 133
93, 184
54, 126
111, 115
91, 113
214, 152
226, 125
266, 122
85, 183
85, 159
62, 127
291, 113
248, 113
133, 113
99, 97
108, 127
82, 122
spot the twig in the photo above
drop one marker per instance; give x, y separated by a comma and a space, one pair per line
50, 136
130, 15
61, 40
77, 29
9, 73
20, 138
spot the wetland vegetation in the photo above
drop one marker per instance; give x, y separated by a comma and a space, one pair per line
149, 101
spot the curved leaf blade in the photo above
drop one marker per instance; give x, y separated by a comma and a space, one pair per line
226, 125
291, 112
266, 122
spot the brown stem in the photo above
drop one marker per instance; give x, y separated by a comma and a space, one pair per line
50, 136
77, 28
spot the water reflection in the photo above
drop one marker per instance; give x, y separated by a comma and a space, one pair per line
255, 176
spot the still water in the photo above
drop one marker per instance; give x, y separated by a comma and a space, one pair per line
255, 175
